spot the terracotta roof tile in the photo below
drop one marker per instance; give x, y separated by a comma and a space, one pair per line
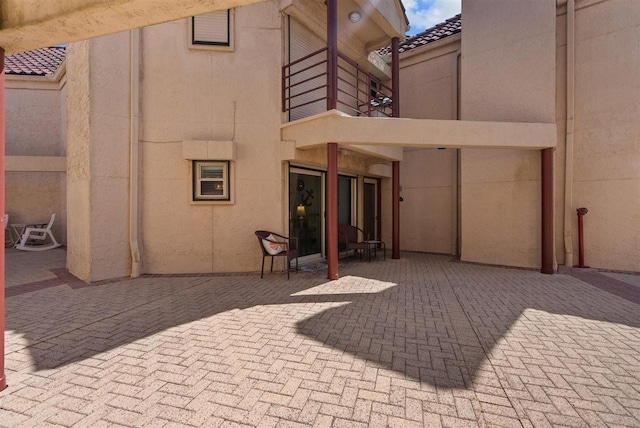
440, 31
39, 62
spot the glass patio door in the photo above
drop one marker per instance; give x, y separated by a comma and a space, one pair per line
306, 209
370, 225
346, 199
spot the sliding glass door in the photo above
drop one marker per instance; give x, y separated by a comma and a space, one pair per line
346, 199
370, 205
306, 210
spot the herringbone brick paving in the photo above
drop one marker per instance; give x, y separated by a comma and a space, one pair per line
421, 341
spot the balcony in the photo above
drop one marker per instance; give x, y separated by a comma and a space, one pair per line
305, 88
331, 99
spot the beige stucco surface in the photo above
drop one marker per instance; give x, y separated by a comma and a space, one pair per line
189, 98
508, 68
34, 118
428, 80
427, 211
561, 122
31, 24
387, 132
511, 98
35, 163
35, 151
31, 198
428, 177
98, 153
178, 235
607, 132
78, 133
501, 207
383, 20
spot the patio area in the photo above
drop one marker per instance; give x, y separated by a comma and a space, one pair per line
421, 341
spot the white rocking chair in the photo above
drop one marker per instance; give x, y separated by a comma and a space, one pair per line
33, 237
8, 238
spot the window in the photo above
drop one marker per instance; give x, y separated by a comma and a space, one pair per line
346, 199
211, 181
212, 29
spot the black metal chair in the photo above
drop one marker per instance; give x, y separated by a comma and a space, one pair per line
348, 240
275, 245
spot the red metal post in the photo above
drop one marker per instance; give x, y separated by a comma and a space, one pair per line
332, 54
332, 148
547, 211
581, 212
3, 377
395, 213
395, 77
332, 211
395, 180
379, 209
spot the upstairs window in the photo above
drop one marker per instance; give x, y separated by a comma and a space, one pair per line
212, 29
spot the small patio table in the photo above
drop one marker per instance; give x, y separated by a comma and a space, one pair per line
373, 245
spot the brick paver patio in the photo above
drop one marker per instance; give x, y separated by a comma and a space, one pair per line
421, 341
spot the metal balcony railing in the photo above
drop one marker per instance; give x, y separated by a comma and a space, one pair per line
305, 88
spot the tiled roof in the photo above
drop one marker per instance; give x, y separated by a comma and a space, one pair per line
39, 62
440, 31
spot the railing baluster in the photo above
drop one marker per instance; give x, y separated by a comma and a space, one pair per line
366, 88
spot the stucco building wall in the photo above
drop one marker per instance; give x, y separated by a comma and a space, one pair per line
501, 189
34, 115
606, 178
98, 157
508, 74
428, 90
186, 94
35, 122
512, 70
200, 94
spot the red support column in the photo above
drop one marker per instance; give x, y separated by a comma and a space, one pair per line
547, 211
3, 378
581, 213
395, 213
332, 148
332, 54
395, 77
395, 180
332, 211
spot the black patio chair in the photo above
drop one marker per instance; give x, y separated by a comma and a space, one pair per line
348, 240
275, 245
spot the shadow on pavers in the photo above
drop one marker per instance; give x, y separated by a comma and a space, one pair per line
434, 320
440, 328
62, 326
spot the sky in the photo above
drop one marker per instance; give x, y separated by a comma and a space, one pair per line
424, 14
